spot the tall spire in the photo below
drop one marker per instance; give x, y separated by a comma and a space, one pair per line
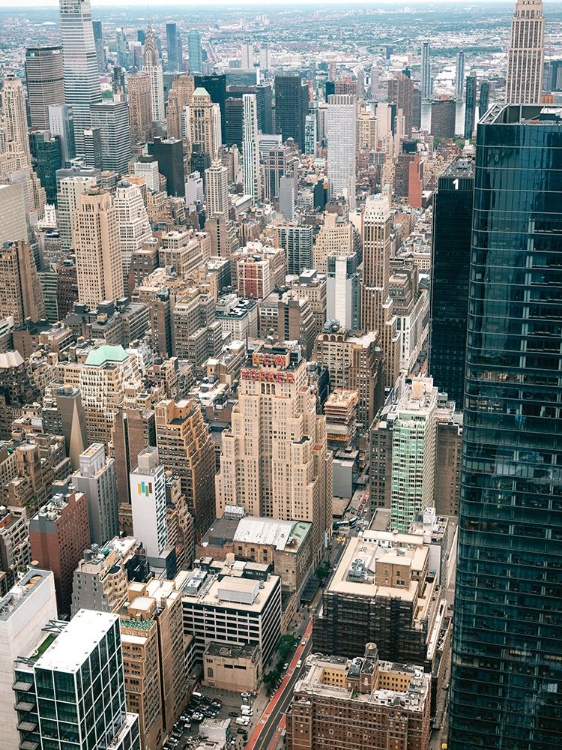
525, 56
150, 48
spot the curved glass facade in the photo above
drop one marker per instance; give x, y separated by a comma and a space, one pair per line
506, 687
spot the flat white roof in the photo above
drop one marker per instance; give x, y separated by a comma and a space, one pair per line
72, 647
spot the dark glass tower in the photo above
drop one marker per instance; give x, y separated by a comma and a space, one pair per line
484, 101
291, 107
452, 228
470, 106
215, 85
506, 687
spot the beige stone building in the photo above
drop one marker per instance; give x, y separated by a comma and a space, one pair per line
365, 702
274, 458
21, 295
377, 312
154, 658
336, 237
231, 667
185, 448
179, 96
95, 235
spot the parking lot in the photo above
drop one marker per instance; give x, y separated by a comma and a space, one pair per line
189, 731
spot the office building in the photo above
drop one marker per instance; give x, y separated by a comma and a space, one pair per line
291, 107
109, 380
377, 312
443, 118
459, 76
240, 609
343, 291
101, 578
12, 209
342, 146
484, 100
385, 590
413, 453
266, 467
154, 658
24, 611
153, 67
507, 631
277, 161
80, 65
168, 152
296, 240
400, 93
363, 702
58, 534
525, 54
45, 83
205, 123
452, 233
287, 196
21, 296
295, 321
133, 429
95, 236
70, 188
132, 220
61, 124
215, 85
354, 362
140, 106
194, 51
234, 116
74, 676
47, 153
16, 153
470, 106
263, 93
179, 97
336, 237
112, 118
92, 148
148, 501
310, 134
250, 148
96, 479
216, 190
98, 43
186, 448
426, 80
174, 46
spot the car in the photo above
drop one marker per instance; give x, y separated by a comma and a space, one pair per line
197, 717
240, 730
234, 714
299, 664
303, 642
186, 726
285, 666
216, 702
244, 695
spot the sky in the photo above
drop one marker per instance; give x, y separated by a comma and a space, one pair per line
396, 4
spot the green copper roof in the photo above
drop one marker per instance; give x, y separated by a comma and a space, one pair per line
106, 353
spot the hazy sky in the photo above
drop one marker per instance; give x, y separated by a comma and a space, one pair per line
396, 4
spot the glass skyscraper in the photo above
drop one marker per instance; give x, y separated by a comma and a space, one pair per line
506, 687
80, 64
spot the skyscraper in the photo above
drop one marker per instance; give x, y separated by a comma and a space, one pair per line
95, 236
400, 93
80, 64
174, 47
179, 97
452, 230
69, 189
112, 118
507, 638
61, 123
76, 677
341, 135
484, 100
274, 459
459, 80
98, 43
216, 189
250, 148
525, 55
203, 126
426, 84
96, 479
153, 66
470, 106
291, 107
148, 501
194, 51
16, 154
21, 296
376, 304
140, 106
215, 85
45, 83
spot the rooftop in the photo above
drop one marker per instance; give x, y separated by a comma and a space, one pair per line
74, 645
21, 593
101, 355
